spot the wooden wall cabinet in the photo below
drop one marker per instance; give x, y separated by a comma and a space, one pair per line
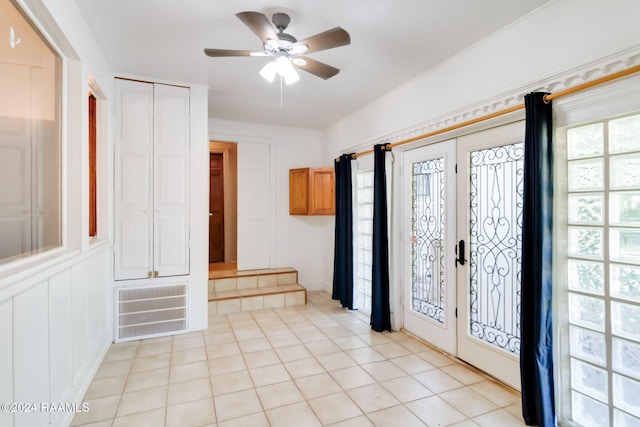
312, 191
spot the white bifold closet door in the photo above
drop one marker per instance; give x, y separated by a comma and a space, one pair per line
152, 180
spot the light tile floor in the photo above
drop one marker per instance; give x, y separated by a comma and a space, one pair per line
313, 365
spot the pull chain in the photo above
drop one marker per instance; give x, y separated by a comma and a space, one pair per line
281, 78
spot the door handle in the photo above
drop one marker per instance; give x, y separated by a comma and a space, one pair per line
210, 213
460, 253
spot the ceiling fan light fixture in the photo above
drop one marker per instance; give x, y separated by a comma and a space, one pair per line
291, 78
299, 49
281, 66
269, 71
285, 69
285, 48
271, 45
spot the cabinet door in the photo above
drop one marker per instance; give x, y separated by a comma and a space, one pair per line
134, 168
298, 188
322, 185
171, 180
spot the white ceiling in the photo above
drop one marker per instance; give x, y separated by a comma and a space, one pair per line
392, 41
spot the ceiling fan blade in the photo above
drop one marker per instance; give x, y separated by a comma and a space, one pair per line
259, 24
317, 68
217, 53
334, 37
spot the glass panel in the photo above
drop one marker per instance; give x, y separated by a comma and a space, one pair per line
624, 134
30, 148
586, 311
625, 171
363, 231
368, 180
626, 393
428, 227
589, 380
586, 276
496, 245
586, 208
604, 297
586, 175
366, 224
621, 419
625, 282
624, 208
585, 141
626, 357
625, 320
625, 245
589, 412
585, 242
588, 345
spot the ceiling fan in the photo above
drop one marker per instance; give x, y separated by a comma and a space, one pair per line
285, 48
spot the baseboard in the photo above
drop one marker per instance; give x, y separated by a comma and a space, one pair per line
327, 287
76, 394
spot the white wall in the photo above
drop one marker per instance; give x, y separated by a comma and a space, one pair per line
556, 38
298, 240
561, 43
199, 169
55, 321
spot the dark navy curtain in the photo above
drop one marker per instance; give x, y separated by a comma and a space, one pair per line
380, 312
536, 351
343, 252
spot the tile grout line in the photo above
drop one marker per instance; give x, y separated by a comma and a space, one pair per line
318, 316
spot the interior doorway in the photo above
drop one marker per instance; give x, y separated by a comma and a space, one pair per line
216, 208
223, 211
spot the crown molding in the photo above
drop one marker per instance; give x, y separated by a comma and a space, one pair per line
509, 98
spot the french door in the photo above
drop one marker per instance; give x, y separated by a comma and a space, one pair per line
429, 296
463, 247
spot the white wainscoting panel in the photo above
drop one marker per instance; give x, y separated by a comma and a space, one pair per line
6, 359
60, 335
31, 353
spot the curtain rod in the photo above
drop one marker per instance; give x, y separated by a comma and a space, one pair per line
547, 98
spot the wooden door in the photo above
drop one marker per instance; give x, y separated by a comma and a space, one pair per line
216, 208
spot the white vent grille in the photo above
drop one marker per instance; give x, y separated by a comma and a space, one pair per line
151, 311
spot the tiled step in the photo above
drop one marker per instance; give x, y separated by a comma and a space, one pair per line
248, 290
